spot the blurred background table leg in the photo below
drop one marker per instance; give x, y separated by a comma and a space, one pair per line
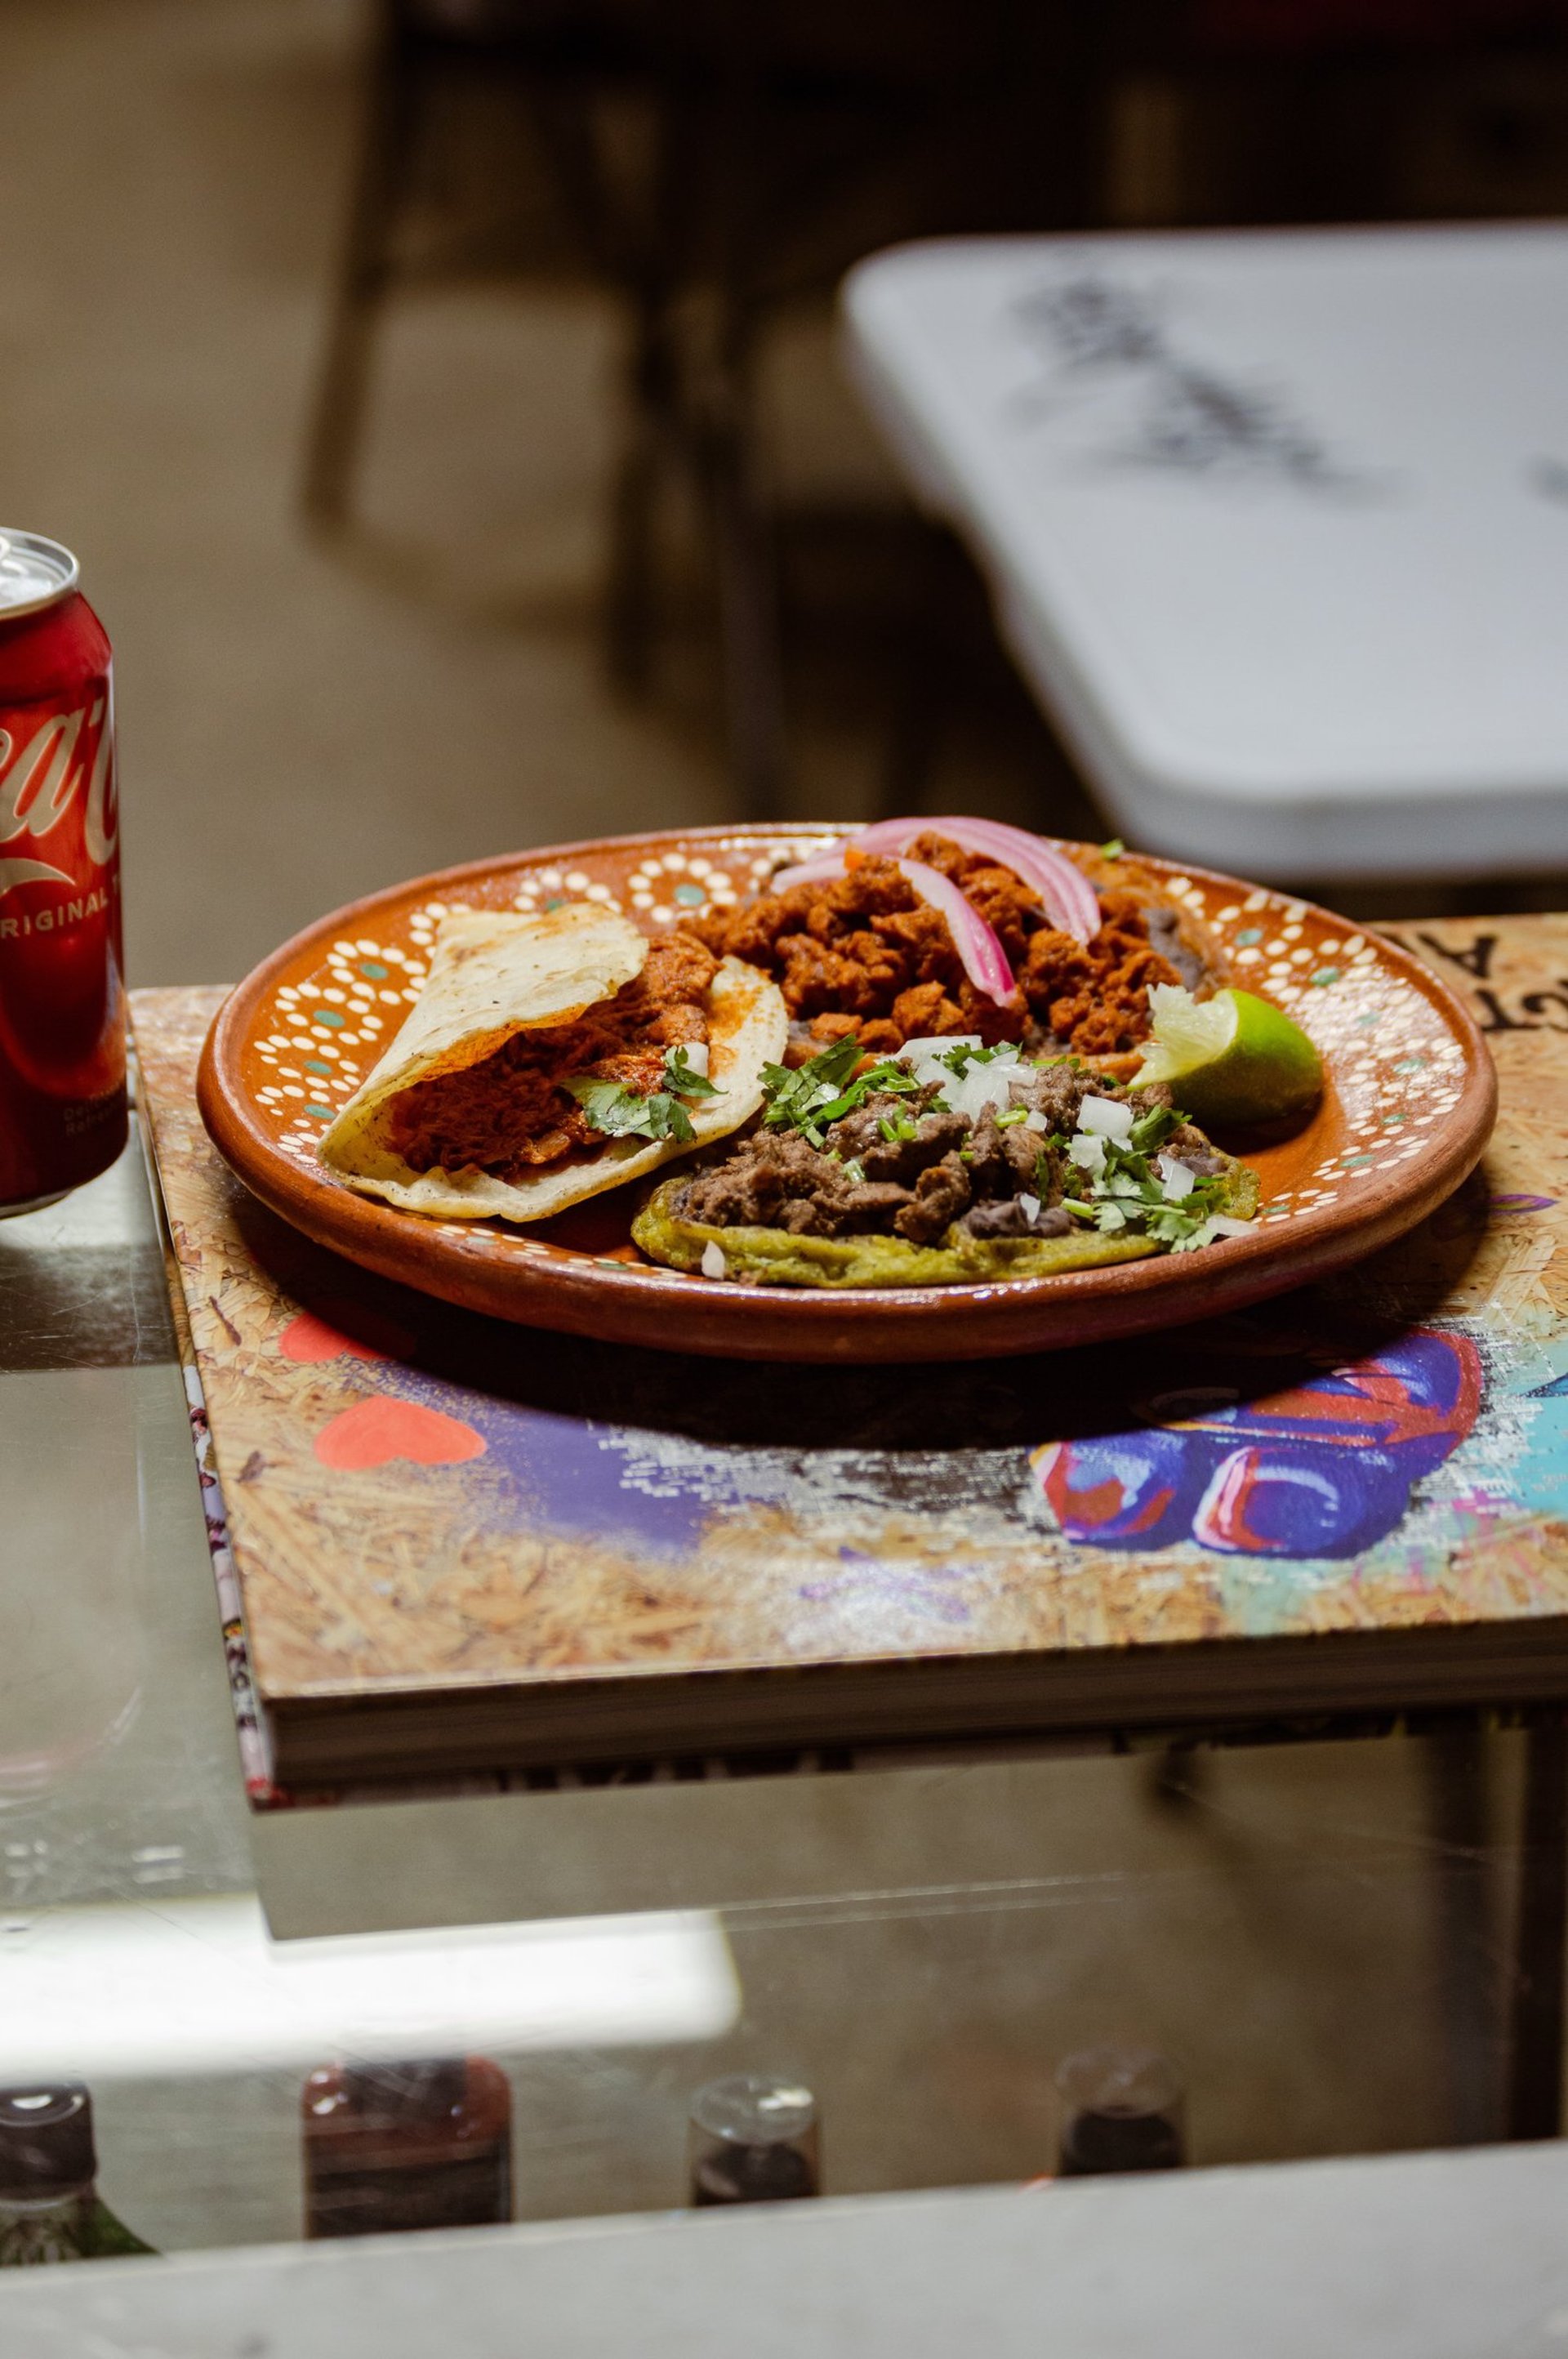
1458, 1801
1535, 2062
387, 138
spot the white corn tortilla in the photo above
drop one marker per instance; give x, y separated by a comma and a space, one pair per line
493, 974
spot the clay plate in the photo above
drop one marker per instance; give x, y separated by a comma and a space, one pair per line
1409, 1106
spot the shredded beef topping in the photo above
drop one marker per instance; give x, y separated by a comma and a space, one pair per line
510, 1114
863, 953
941, 1195
860, 1137
996, 1177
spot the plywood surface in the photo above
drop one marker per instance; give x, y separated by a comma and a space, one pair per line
464, 1545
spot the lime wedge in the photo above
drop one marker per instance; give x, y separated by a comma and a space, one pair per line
1233, 1059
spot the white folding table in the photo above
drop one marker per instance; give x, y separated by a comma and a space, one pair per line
1408, 2256
1276, 522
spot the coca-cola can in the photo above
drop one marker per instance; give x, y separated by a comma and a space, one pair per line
62, 1010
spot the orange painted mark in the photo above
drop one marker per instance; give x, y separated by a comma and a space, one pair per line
375, 1432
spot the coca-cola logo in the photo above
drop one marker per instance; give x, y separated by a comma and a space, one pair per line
40, 781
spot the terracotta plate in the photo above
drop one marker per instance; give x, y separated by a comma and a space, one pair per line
1408, 1107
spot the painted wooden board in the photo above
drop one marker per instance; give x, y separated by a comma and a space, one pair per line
463, 1546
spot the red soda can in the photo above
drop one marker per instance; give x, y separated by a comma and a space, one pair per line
62, 1010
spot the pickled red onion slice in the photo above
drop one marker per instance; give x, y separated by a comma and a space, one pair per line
815, 870
1071, 901
979, 947
977, 944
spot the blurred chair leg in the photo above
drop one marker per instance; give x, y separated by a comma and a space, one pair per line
640, 256
736, 135
1535, 2060
1177, 1775
748, 616
1454, 1762
340, 393
650, 438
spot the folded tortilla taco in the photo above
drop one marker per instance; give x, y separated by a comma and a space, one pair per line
549, 1058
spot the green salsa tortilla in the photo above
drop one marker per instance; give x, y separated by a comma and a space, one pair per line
778, 1257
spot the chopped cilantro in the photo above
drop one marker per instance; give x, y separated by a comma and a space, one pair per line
901, 1126
682, 1081
1150, 1130
1124, 1191
855, 1171
963, 1054
790, 1091
1113, 850
620, 1112
1011, 1116
810, 1097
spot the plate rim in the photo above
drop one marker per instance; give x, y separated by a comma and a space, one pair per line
1127, 1298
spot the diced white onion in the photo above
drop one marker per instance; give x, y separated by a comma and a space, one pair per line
979, 1087
697, 1056
936, 1044
1106, 1117
1220, 1225
1030, 1205
1088, 1154
713, 1262
926, 1065
1178, 1179
1034, 1120
972, 1090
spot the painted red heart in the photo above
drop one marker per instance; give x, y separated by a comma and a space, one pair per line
374, 1431
307, 1340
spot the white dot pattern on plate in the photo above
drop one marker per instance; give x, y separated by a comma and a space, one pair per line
1398, 1071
